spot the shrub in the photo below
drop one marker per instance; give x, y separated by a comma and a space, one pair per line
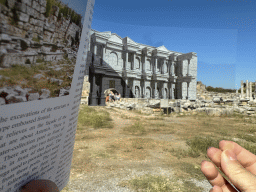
39, 60
48, 8
36, 39
3, 2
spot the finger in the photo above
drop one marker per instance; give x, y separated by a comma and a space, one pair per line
245, 157
216, 189
215, 178
215, 155
239, 176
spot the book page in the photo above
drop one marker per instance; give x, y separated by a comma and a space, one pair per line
41, 81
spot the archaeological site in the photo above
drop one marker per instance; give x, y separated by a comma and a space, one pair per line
38, 46
138, 71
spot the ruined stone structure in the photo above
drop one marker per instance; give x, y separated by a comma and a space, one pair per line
249, 95
138, 71
34, 36
34, 40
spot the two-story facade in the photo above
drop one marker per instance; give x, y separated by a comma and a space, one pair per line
137, 70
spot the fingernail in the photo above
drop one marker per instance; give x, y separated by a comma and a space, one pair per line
230, 155
214, 188
209, 148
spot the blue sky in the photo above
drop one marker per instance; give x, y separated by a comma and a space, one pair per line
221, 32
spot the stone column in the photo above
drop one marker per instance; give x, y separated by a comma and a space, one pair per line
242, 89
95, 49
126, 61
133, 89
247, 90
103, 55
126, 88
156, 90
162, 91
172, 89
187, 90
144, 67
181, 69
188, 66
156, 65
93, 95
133, 63
165, 67
172, 68
102, 95
250, 92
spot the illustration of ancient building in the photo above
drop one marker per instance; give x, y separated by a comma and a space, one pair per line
138, 71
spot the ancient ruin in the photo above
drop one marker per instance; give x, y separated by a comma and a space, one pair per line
37, 38
138, 71
249, 94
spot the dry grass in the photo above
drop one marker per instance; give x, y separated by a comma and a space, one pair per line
175, 141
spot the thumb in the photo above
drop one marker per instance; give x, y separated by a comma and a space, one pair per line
238, 175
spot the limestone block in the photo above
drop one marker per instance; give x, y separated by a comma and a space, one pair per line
20, 91
42, 9
227, 111
250, 112
30, 11
42, 17
27, 2
63, 92
38, 76
11, 3
35, 5
2, 101
45, 93
186, 105
213, 112
36, 14
5, 37
21, 7
23, 17
26, 26
32, 21
15, 31
37, 22
20, 25
15, 99
33, 96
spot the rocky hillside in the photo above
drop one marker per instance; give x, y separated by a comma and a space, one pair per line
36, 29
38, 44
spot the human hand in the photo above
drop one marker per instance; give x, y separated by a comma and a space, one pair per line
241, 169
40, 186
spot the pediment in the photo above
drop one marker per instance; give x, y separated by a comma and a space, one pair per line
115, 38
131, 42
106, 33
162, 48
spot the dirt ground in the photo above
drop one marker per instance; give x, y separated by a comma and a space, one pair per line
106, 159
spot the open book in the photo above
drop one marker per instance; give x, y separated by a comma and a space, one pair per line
42, 61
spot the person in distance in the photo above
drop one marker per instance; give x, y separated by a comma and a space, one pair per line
238, 164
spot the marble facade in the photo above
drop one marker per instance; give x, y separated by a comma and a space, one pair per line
249, 94
138, 71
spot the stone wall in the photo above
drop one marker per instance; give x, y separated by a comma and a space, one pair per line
34, 36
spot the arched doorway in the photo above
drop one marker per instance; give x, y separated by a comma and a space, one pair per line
137, 92
148, 93
165, 93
